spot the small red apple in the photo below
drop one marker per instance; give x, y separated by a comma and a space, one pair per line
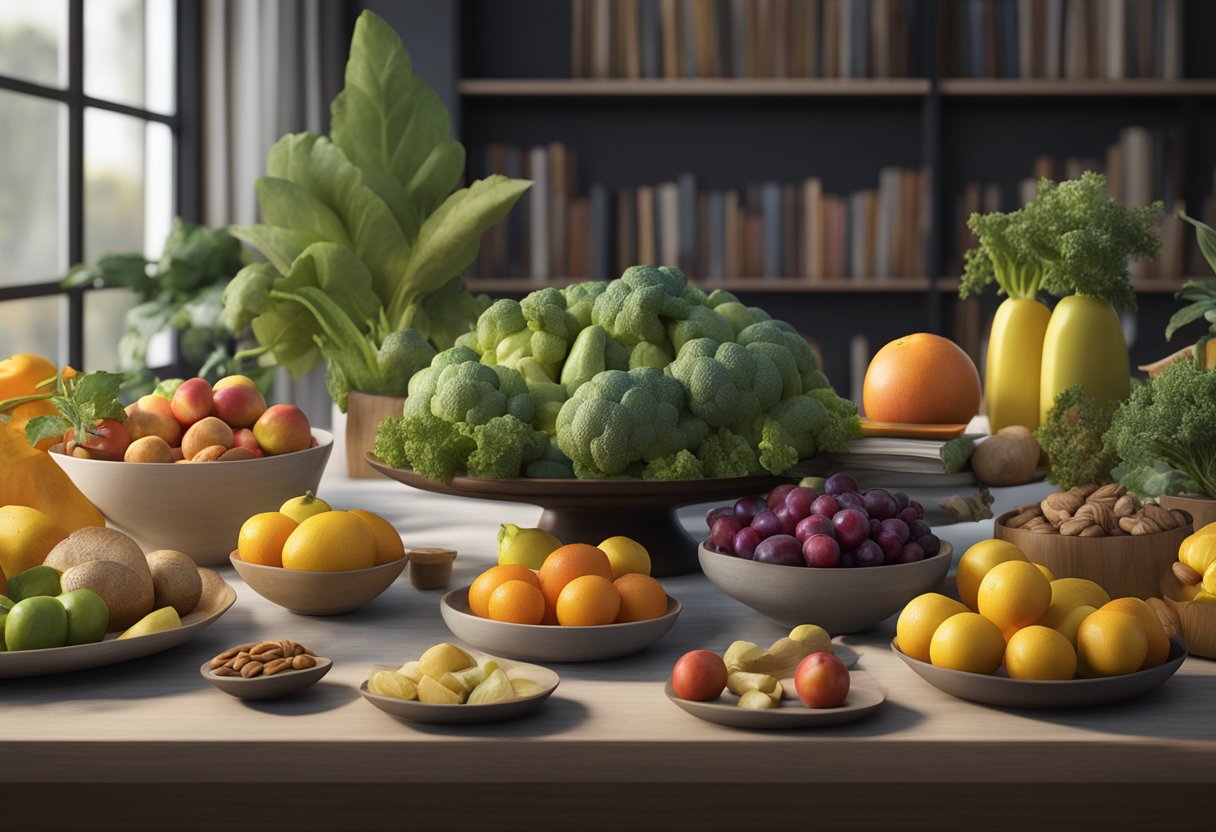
822, 681
282, 429
110, 443
699, 675
239, 406
192, 402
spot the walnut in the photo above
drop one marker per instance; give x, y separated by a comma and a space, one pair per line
1126, 505
1108, 494
1099, 514
1094, 531
1076, 525
1082, 492
1060, 506
1128, 524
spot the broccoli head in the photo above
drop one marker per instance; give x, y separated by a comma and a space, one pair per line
727, 454
647, 354
579, 299
726, 384
779, 332
702, 322
681, 465
1073, 437
637, 305
593, 352
504, 445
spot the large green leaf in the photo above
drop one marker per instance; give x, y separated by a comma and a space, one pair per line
1206, 235
281, 246
392, 126
287, 205
448, 241
247, 295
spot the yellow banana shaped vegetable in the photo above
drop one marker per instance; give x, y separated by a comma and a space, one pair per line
1084, 345
1015, 358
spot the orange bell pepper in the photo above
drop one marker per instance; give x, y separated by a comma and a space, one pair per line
29, 375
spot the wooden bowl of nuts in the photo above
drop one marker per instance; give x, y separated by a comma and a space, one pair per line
265, 669
1102, 533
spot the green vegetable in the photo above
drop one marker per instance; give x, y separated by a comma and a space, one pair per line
646, 354
1074, 438
82, 401
593, 352
538, 327
580, 298
956, 454
727, 454
702, 322
1164, 435
1072, 239
1200, 293
364, 235
782, 334
637, 306
552, 464
681, 465
727, 384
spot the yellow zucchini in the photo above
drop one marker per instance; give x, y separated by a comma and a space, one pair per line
1084, 345
1015, 354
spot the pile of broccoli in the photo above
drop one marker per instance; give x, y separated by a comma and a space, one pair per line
645, 376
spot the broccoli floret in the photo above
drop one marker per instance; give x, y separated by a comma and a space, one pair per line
637, 305
726, 384
727, 454
834, 436
537, 327
956, 454
779, 332
433, 447
647, 354
777, 455
681, 465
1073, 437
402, 354
552, 464
548, 395
579, 299
388, 446
468, 393
504, 446
702, 322
593, 352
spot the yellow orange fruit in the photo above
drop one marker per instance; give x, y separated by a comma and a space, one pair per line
920, 619
1013, 595
27, 536
563, 565
388, 543
1158, 643
1110, 643
1038, 652
262, 537
968, 642
642, 597
626, 555
517, 602
976, 562
1047, 573
333, 541
494, 577
1071, 622
921, 378
588, 601
1069, 593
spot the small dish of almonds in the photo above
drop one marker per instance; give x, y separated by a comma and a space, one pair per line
265, 669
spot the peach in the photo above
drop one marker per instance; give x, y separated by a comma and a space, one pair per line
243, 438
282, 429
152, 415
203, 434
149, 449
238, 405
192, 402
234, 381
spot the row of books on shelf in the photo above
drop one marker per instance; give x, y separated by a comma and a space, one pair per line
763, 230
1141, 166
1073, 39
744, 38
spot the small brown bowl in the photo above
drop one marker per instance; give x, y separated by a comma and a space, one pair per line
280, 684
1202, 511
1195, 620
1124, 565
317, 593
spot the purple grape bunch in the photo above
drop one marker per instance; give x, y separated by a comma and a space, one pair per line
842, 527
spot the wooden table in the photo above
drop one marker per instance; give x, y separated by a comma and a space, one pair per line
151, 738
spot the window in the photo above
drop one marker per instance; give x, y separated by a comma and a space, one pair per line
94, 156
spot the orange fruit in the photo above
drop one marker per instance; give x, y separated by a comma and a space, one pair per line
492, 579
642, 597
262, 537
587, 601
332, 541
574, 560
1110, 643
921, 378
518, 602
1158, 642
388, 543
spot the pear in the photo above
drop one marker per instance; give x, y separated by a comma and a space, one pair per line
433, 693
444, 658
756, 699
816, 639
157, 621
390, 683
496, 688
742, 654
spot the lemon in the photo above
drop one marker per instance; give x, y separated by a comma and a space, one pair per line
301, 508
388, 542
1110, 643
1199, 550
27, 535
920, 619
333, 541
1038, 652
1069, 593
626, 555
527, 547
1069, 624
976, 562
1013, 595
1046, 572
969, 642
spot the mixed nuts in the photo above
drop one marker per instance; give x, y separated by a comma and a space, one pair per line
263, 658
1095, 511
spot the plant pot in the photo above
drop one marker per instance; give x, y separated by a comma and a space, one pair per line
364, 412
1203, 511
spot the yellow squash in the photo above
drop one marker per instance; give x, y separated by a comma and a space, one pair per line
1084, 345
31, 478
1015, 354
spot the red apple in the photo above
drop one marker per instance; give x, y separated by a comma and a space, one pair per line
238, 405
234, 381
699, 675
192, 402
110, 445
243, 438
282, 429
152, 415
822, 681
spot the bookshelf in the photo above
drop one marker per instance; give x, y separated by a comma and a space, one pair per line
506, 73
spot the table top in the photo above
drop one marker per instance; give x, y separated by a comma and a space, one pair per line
157, 720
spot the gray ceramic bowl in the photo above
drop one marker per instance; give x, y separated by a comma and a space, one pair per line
866, 695
1004, 692
318, 593
283, 683
839, 600
551, 643
196, 509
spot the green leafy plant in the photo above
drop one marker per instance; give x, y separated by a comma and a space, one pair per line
364, 234
82, 401
1073, 437
183, 291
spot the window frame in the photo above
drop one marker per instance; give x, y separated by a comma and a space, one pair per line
183, 124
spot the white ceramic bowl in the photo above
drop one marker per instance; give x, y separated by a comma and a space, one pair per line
196, 509
839, 600
318, 593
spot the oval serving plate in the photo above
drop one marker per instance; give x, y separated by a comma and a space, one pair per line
866, 695
1003, 692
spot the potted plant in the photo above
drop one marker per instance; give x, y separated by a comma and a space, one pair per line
365, 239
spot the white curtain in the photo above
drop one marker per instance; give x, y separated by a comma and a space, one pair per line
269, 67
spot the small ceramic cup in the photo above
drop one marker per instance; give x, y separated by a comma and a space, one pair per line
431, 568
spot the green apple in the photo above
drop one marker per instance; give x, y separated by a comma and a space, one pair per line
88, 616
37, 580
36, 623
6, 604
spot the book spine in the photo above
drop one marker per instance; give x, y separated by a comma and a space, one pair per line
739, 56
601, 38
1054, 43
686, 252
538, 158
669, 12
647, 253
669, 223
559, 193
688, 39
716, 267
626, 230
770, 212
1010, 48
732, 247
598, 267
580, 28
789, 231
650, 25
